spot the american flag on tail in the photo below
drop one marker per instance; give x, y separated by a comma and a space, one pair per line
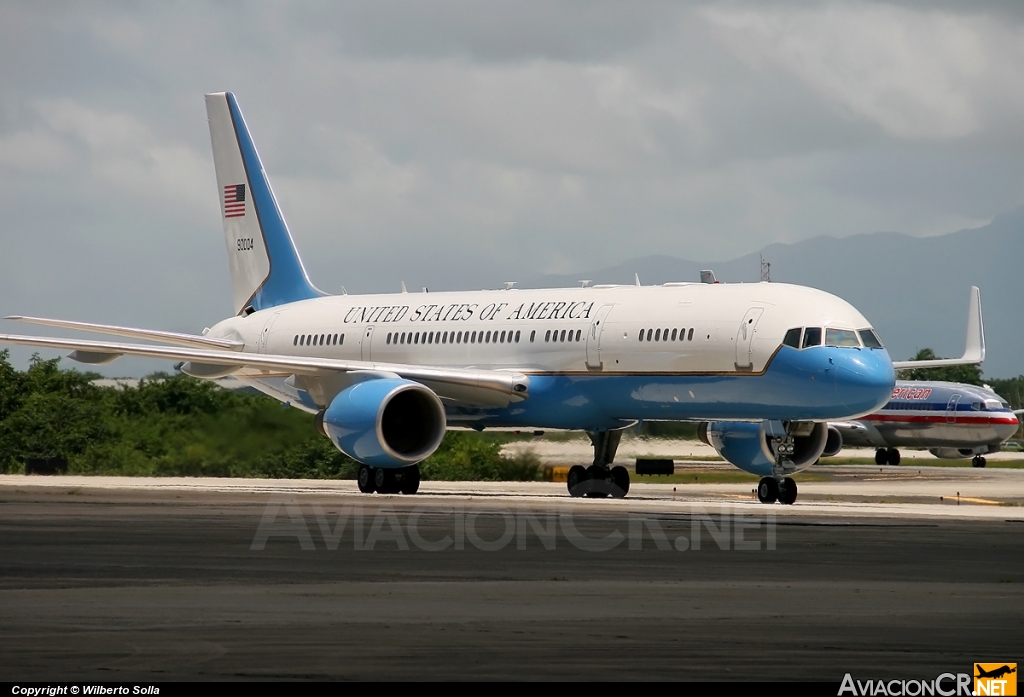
234, 200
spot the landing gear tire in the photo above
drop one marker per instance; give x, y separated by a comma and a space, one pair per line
620, 477
881, 457
978, 461
767, 490
893, 456
787, 491
365, 479
599, 485
384, 481
410, 483
576, 482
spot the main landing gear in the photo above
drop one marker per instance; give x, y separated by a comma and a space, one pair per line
770, 490
889, 456
978, 461
405, 480
600, 479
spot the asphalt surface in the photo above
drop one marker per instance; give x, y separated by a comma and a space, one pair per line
177, 583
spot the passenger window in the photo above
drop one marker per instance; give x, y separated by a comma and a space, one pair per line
812, 337
341, 340
674, 334
533, 335
792, 338
488, 339
547, 335
657, 335
649, 333
841, 337
689, 337
388, 339
563, 336
295, 341
302, 340
641, 337
517, 336
579, 333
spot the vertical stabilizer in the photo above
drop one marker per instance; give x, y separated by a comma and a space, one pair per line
266, 270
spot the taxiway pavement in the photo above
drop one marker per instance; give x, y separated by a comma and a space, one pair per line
113, 579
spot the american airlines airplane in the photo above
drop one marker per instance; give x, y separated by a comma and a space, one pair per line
952, 420
768, 363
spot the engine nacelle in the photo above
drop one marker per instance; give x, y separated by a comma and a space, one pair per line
952, 453
385, 422
833, 442
749, 445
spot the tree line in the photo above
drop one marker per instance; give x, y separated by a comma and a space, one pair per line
174, 425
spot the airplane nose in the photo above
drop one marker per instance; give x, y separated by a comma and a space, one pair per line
864, 378
1005, 431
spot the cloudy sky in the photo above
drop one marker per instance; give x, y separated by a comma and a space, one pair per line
462, 144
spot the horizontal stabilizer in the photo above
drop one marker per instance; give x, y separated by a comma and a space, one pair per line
483, 387
133, 333
974, 352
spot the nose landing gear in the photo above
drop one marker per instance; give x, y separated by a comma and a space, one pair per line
770, 490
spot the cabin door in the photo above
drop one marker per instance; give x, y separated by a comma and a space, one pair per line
265, 336
594, 338
364, 346
951, 409
745, 338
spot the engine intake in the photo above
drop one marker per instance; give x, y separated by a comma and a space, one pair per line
385, 422
749, 445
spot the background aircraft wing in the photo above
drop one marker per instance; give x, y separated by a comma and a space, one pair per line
464, 385
134, 333
974, 352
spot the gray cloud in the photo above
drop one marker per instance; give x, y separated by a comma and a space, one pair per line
463, 144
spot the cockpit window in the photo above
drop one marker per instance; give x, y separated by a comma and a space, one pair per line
792, 338
841, 337
870, 339
812, 336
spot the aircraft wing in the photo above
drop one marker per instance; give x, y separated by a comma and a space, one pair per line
133, 333
974, 352
464, 385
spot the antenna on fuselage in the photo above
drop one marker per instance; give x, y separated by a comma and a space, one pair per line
766, 270
636, 280
509, 285
584, 283
404, 289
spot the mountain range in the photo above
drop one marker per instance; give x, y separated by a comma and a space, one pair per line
914, 290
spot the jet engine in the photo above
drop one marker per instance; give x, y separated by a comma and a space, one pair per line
749, 446
385, 422
833, 442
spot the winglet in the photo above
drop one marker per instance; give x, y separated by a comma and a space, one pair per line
974, 351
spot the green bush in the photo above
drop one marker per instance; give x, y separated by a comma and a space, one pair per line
180, 426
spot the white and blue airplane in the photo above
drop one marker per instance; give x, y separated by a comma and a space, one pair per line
768, 364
